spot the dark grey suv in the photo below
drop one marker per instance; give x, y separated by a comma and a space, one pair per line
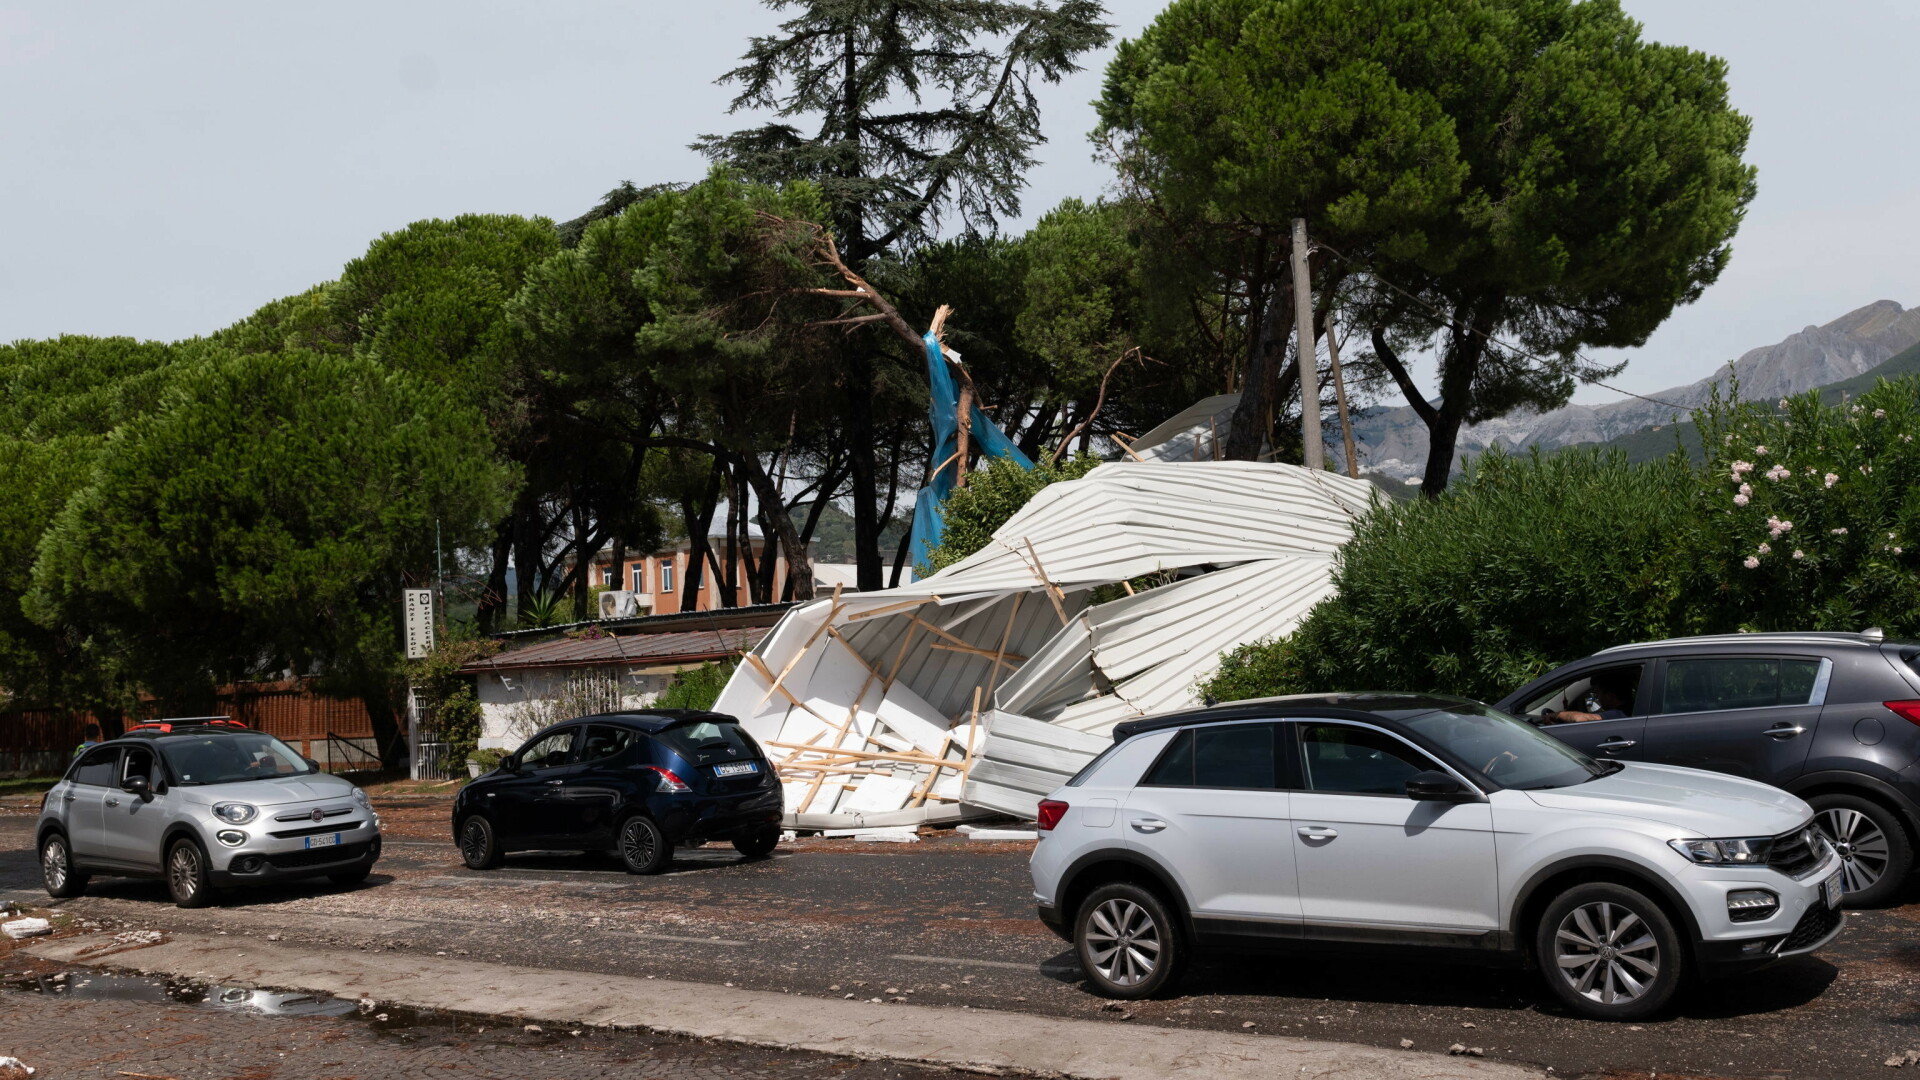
1833, 718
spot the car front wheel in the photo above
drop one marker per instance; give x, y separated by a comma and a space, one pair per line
1874, 852
479, 844
643, 847
56, 867
1127, 942
187, 875
1609, 952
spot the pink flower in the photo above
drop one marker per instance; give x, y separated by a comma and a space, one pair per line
1839, 532
1751, 563
1742, 499
1879, 414
1764, 549
1832, 479
1779, 473
1760, 451
1798, 554
1741, 468
1746, 489
1906, 438
1777, 527
1783, 403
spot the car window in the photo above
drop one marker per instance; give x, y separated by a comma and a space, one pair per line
1607, 693
139, 762
1512, 752
1231, 756
96, 769
1738, 682
224, 758
1347, 760
705, 742
607, 741
549, 751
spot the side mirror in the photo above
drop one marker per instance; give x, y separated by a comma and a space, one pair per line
312, 764
137, 785
1434, 786
510, 764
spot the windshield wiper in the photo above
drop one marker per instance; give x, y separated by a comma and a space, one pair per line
1607, 766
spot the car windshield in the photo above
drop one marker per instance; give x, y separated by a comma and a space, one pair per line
231, 758
705, 742
1505, 749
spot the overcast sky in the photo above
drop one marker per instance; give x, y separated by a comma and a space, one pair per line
170, 167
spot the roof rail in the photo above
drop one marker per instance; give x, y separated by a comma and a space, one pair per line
1871, 636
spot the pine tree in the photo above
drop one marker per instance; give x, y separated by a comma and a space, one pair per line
920, 109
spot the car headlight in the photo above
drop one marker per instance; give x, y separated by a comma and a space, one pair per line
234, 813
360, 796
1744, 851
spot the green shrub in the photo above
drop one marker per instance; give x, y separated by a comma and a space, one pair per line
1802, 518
488, 759
992, 495
697, 688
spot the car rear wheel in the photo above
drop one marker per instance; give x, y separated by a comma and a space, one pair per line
479, 844
56, 867
643, 847
187, 875
1875, 855
1609, 952
1127, 941
758, 844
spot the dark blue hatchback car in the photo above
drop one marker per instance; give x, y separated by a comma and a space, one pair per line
636, 783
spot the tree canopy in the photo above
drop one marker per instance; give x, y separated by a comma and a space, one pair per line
1519, 180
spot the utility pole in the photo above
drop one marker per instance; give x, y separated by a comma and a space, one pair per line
1313, 452
1340, 395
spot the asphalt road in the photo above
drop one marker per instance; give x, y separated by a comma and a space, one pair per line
949, 923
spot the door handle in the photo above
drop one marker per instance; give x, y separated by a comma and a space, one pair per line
1317, 832
552, 783
1783, 731
1148, 825
1617, 743
113, 802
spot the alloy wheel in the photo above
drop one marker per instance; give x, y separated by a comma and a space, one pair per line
1863, 848
1607, 953
637, 843
1123, 942
53, 863
183, 870
473, 841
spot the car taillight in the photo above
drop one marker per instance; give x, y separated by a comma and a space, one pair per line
1051, 811
1905, 710
668, 781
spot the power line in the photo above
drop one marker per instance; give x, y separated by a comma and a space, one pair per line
1446, 320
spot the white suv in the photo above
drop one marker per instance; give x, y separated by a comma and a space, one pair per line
1404, 819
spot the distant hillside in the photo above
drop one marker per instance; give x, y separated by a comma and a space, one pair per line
1836, 354
1657, 441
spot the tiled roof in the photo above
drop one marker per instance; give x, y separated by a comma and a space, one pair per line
686, 647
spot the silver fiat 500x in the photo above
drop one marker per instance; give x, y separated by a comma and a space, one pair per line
204, 805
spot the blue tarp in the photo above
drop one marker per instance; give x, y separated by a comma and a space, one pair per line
942, 412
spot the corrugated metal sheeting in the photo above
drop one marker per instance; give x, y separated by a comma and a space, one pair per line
870, 701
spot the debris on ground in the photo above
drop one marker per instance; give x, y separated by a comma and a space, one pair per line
12, 1068
26, 928
138, 937
974, 832
899, 834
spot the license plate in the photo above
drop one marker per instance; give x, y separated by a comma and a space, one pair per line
323, 840
736, 768
1831, 890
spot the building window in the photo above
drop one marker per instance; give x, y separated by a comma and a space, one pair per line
606, 577
666, 577
639, 577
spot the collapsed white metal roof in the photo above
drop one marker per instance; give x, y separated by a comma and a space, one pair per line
1195, 433
988, 683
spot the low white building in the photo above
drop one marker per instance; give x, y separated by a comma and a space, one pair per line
526, 689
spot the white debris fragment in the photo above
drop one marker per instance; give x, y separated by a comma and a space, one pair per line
137, 937
532, 1029
976, 833
898, 834
1406, 1044
26, 928
12, 1068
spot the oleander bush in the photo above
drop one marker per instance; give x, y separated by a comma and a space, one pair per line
1799, 518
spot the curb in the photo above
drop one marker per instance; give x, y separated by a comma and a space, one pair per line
972, 1039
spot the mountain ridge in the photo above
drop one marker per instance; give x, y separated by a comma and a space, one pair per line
1394, 440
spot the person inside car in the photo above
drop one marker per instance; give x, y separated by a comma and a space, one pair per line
1613, 699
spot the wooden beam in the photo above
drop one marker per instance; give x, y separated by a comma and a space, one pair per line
797, 656
1053, 591
761, 666
891, 608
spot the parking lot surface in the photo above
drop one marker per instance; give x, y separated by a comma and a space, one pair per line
949, 922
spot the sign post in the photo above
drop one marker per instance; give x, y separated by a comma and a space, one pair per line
417, 608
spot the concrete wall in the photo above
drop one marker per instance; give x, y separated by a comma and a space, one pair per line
515, 704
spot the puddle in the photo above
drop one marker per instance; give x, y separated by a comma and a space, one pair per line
93, 986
